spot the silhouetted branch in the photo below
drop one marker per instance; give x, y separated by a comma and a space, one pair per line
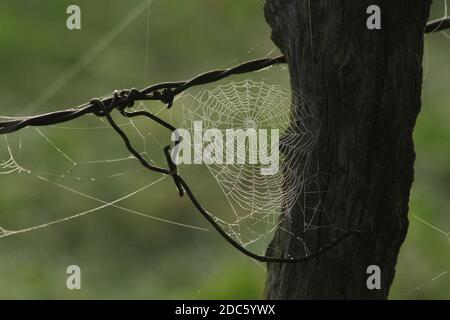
437, 25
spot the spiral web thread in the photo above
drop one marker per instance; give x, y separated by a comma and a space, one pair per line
257, 200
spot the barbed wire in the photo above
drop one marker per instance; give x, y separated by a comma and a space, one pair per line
166, 92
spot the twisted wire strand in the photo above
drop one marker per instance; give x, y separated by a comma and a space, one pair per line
164, 92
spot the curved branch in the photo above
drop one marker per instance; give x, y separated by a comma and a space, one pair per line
437, 25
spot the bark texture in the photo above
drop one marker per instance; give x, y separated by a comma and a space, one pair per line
364, 87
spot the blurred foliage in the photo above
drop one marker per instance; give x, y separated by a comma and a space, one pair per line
46, 67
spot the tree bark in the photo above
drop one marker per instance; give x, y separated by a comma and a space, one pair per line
364, 87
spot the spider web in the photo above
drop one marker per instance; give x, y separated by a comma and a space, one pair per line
259, 203
65, 178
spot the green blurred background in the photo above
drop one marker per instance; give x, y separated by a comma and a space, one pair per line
45, 67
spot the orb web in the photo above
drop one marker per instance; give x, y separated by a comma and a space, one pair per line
258, 200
